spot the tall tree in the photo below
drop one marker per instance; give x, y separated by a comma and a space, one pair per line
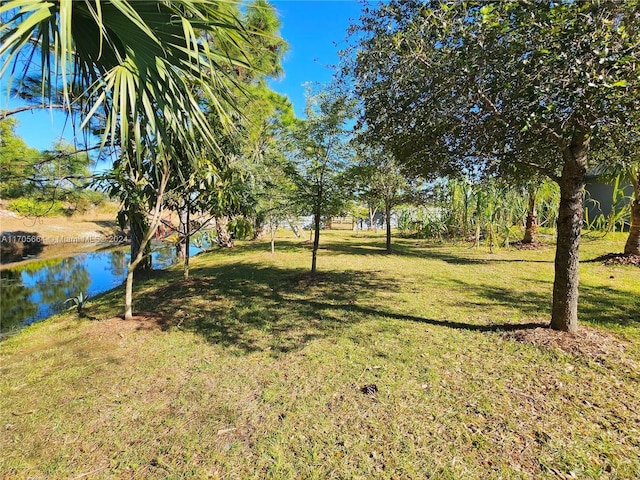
141, 187
269, 117
485, 85
141, 62
262, 111
321, 150
240, 148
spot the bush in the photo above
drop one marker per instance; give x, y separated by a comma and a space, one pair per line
30, 207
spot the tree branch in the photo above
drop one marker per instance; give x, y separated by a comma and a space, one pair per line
25, 108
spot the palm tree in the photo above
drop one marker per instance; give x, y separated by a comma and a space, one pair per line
146, 66
139, 61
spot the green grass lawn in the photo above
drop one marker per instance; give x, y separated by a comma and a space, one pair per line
253, 370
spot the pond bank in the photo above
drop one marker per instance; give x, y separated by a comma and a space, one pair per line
52, 237
36, 289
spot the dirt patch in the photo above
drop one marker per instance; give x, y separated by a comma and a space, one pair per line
146, 321
618, 259
78, 229
520, 245
589, 342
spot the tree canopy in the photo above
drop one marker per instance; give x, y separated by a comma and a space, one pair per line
486, 87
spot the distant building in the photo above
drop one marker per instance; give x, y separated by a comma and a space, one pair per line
600, 199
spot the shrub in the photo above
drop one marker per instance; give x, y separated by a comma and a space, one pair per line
30, 207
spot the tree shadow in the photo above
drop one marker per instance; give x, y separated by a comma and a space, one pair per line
248, 306
244, 247
379, 248
596, 305
252, 307
368, 312
528, 302
428, 251
370, 248
109, 225
607, 306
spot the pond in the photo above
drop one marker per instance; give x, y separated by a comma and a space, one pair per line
38, 289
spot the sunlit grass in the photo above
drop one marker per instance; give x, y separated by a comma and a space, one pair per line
252, 369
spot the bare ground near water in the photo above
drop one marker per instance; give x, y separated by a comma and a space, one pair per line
98, 224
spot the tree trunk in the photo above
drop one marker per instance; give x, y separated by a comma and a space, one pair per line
128, 296
224, 237
564, 315
137, 218
187, 240
531, 226
387, 219
465, 214
144, 242
259, 227
139, 228
294, 229
134, 262
372, 218
259, 232
273, 227
316, 240
632, 247
181, 247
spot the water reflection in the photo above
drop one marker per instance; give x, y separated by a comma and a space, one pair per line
13, 293
38, 289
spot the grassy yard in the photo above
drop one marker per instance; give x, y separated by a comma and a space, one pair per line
252, 370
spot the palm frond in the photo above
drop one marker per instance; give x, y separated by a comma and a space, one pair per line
140, 62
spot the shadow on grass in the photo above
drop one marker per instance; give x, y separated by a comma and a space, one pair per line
397, 249
253, 307
107, 224
528, 302
604, 306
607, 306
429, 251
249, 306
368, 312
245, 247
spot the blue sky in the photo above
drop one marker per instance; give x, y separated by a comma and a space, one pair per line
315, 31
